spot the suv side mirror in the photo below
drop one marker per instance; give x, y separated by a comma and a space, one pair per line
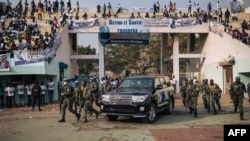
159, 86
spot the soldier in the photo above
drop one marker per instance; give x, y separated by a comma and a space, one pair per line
76, 94
106, 87
183, 91
192, 96
171, 89
248, 91
205, 95
67, 94
36, 95
85, 95
215, 95
94, 92
83, 91
237, 90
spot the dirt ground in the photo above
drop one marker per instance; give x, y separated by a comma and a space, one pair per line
22, 124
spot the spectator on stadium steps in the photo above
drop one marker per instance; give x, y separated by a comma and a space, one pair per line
147, 15
109, 14
244, 24
132, 16
234, 16
85, 16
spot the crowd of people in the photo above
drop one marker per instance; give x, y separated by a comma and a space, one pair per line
29, 94
20, 32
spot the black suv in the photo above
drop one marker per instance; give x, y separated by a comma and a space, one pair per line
137, 97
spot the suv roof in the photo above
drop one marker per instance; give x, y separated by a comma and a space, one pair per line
86, 78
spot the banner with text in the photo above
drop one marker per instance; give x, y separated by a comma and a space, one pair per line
5, 62
22, 57
216, 28
185, 23
84, 24
123, 31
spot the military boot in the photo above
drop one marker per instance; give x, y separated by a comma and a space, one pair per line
195, 113
215, 112
241, 116
235, 109
77, 116
208, 110
190, 111
61, 120
85, 120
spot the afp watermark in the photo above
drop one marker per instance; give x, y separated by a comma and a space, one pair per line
236, 132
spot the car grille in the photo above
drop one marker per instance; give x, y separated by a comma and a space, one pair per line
118, 99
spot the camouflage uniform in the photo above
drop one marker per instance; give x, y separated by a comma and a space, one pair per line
83, 90
192, 96
67, 94
94, 92
215, 95
237, 90
183, 91
106, 87
85, 102
76, 96
171, 90
248, 91
205, 95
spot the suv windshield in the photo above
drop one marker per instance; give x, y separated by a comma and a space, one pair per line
137, 83
84, 78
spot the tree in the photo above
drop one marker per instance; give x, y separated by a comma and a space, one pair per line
86, 67
121, 57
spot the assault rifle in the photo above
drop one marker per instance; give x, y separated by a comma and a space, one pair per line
60, 103
186, 101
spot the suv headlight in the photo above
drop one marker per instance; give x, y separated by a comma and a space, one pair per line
140, 98
105, 98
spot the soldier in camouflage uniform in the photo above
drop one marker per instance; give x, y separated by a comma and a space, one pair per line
106, 87
171, 90
248, 91
94, 92
205, 95
183, 91
67, 94
237, 90
76, 95
215, 95
85, 95
192, 96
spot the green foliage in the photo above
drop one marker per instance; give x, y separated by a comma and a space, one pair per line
121, 57
86, 67
81, 50
138, 57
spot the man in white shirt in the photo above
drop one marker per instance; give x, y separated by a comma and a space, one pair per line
29, 92
10, 92
20, 92
43, 89
51, 87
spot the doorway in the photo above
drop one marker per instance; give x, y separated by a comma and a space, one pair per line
228, 78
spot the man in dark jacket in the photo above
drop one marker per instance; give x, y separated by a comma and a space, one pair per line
36, 91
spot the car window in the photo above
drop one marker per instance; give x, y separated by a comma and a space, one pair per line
138, 82
84, 78
157, 81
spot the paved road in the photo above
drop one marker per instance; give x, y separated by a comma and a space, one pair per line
21, 124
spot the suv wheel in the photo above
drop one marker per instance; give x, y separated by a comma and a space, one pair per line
110, 118
151, 114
